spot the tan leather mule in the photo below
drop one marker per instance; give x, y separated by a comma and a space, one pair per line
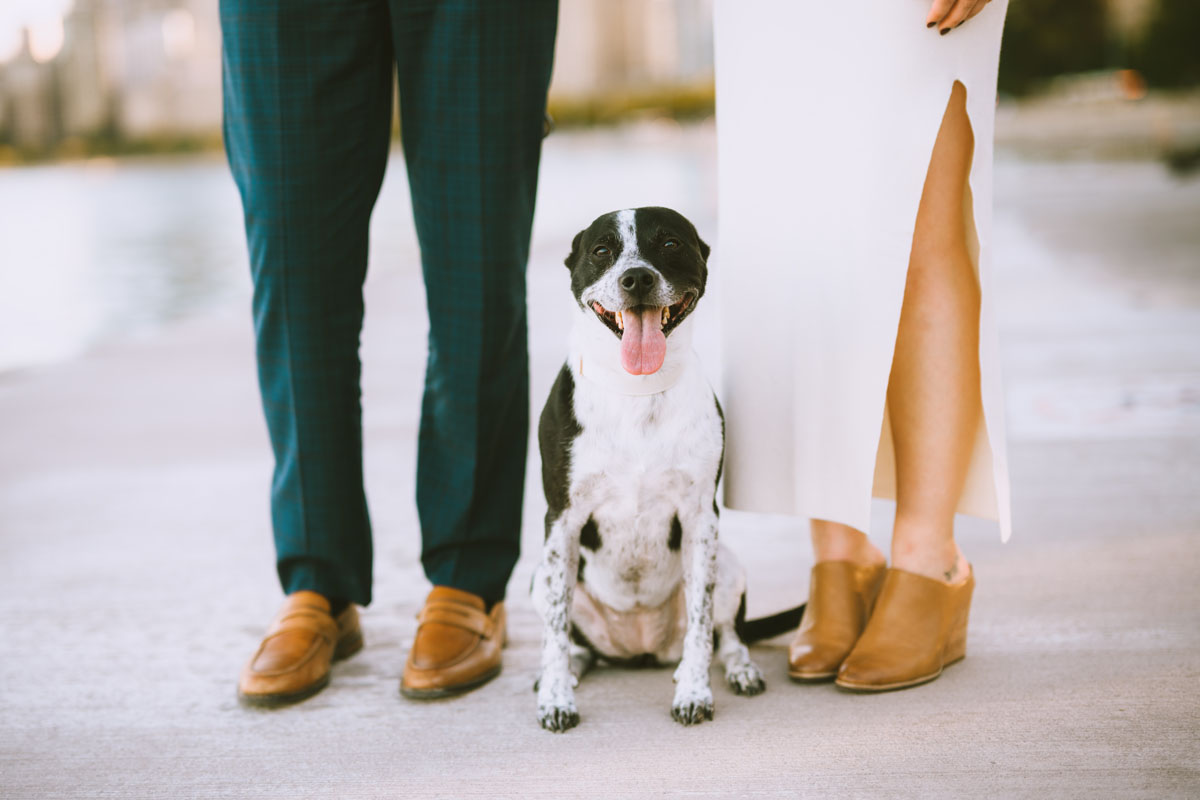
457, 646
841, 595
294, 659
918, 628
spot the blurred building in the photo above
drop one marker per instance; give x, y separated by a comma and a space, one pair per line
139, 69
134, 69
129, 69
170, 72
84, 71
28, 106
609, 46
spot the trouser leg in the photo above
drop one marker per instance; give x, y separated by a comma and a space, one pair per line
473, 81
307, 91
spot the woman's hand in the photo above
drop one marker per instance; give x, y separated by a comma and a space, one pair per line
949, 14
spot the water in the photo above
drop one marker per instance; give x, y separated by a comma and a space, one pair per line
107, 249
91, 251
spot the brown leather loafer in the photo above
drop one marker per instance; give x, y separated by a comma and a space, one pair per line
918, 628
293, 661
841, 595
457, 646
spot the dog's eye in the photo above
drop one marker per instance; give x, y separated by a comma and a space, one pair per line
669, 243
600, 250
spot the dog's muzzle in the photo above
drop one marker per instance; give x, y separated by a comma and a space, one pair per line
643, 331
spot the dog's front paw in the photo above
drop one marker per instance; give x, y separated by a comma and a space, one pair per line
558, 718
556, 702
746, 679
691, 707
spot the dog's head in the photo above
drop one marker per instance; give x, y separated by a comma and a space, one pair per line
639, 273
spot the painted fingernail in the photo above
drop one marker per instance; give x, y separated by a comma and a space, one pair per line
946, 30
930, 24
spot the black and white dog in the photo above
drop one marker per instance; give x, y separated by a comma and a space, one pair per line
632, 439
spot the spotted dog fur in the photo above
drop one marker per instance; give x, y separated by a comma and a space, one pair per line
631, 569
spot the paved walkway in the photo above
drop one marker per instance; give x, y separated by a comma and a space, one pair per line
136, 568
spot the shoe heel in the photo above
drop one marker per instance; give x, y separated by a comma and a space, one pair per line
348, 646
956, 648
956, 644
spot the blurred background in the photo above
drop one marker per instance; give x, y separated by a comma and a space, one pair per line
97, 239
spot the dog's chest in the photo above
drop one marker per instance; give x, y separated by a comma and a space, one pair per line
641, 469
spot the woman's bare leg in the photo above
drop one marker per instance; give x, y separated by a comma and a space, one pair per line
933, 394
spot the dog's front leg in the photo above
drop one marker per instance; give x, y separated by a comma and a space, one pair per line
554, 586
693, 695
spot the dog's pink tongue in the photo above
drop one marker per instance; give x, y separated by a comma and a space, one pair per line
643, 345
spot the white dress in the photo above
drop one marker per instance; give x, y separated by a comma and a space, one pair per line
826, 118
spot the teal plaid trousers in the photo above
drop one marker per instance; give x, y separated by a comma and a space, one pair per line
307, 124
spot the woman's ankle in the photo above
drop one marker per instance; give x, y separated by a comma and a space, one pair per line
933, 557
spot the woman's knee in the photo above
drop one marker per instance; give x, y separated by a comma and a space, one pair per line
941, 236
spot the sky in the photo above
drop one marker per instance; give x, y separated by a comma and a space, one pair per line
44, 17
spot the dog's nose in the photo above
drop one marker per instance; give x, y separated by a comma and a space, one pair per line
638, 279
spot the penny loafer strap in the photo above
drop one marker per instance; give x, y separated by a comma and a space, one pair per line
458, 615
304, 619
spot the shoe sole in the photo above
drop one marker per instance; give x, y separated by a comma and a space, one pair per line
811, 677
345, 648
448, 691
283, 699
866, 688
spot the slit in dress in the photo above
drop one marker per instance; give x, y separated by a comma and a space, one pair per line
978, 496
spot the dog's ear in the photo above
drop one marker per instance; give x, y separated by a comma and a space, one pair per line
570, 259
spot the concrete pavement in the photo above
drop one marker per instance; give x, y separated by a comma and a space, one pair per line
136, 566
